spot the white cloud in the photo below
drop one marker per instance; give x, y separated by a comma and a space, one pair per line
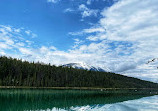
130, 29
2, 52
75, 33
86, 12
88, 31
25, 51
134, 22
17, 30
68, 10
53, 1
20, 44
11, 40
77, 43
29, 33
130, 18
89, 2
4, 46
92, 30
99, 36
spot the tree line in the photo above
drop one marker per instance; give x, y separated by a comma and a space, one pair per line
15, 72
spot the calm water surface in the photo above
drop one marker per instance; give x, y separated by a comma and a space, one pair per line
77, 100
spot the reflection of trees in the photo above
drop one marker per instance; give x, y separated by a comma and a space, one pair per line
20, 100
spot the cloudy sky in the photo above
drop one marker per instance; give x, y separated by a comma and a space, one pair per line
117, 35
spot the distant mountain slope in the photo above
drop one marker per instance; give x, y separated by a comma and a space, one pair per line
15, 72
85, 67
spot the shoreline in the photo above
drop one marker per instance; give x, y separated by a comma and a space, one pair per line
74, 88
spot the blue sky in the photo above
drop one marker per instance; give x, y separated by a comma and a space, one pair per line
118, 35
48, 20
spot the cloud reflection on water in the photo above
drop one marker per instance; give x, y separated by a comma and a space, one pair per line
143, 104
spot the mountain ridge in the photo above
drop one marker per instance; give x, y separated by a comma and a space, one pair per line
84, 66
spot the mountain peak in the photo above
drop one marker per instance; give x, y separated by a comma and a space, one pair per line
84, 66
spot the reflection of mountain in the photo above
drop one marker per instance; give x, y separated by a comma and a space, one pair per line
142, 104
20, 100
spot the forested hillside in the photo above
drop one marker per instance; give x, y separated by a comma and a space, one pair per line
15, 72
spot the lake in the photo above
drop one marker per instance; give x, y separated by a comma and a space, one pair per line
77, 100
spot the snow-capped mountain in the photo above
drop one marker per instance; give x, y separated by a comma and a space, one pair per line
84, 66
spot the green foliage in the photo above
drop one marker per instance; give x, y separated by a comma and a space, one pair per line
15, 72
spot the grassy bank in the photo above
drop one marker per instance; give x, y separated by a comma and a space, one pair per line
77, 88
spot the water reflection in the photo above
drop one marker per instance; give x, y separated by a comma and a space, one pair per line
143, 104
52, 100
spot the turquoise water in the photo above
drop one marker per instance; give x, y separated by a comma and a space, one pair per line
77, 100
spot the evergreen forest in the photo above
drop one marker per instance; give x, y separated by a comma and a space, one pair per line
14, 72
